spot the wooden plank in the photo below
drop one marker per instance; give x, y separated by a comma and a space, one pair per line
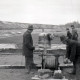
53, 79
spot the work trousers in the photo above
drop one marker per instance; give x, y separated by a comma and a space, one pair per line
29, 62
77, 71
74, 67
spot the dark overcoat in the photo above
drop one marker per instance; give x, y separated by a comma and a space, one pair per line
73, 50
74, 55
74, 35
28, 44
69, 35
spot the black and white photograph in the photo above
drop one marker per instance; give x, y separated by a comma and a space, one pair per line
39, 40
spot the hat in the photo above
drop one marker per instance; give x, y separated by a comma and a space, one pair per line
30, 27
62, 37
67, 28
72, 25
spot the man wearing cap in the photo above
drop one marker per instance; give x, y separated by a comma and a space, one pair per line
28, 48
74, 37
74, 33
69, 35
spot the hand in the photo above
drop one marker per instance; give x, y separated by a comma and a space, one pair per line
69, 61
65, 60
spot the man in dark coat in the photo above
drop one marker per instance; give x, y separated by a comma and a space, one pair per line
28, 48
74, 33
49, 38
69, 35
74, 37
73, 53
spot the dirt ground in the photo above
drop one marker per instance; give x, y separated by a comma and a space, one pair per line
20, 74
15, 74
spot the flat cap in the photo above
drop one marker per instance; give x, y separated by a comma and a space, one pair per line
30, 27
62, 37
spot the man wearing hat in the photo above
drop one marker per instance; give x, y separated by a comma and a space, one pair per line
74, 37
28, 48
74, 33
69, 35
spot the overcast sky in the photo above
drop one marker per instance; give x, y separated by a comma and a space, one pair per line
40, 11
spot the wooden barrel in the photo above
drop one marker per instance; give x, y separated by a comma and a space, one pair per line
50, 62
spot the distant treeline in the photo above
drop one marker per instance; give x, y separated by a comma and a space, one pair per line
15, 25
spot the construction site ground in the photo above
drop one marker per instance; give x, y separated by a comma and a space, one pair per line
12, 67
